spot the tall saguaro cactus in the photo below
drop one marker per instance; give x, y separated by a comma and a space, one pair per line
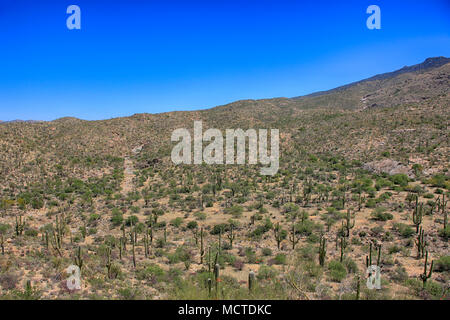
231, 236
343, 244
420, 243
251, 280
79, 258
322, 250
348, 224
369, 258
418, 214
424, 276
202, 249
293, 237
279, 236
2, 244
20, 225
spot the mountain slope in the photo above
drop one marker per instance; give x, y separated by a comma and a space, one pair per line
319, 124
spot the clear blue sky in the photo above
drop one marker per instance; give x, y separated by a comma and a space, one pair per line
132, 57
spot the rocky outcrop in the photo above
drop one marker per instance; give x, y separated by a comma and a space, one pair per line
388, 166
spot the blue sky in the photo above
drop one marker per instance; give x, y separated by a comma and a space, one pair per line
157, 56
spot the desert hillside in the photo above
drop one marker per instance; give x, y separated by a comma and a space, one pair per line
363, 179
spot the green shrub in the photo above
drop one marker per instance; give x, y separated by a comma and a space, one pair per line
31, 233
380, 214
132, 220
400, 179
280, 258
337, 271
151, 272
266, 273
192, 225
117, 217
404, 230
236, 211
177, 222
267, 252
443, 264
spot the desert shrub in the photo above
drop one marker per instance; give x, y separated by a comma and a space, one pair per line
266, 252
192, 225
445, 233
135, 209
115, 271
181, 254
4, 228
94, 217
399, 274
31, 233
307, 253
280, 258
380, 214
371, 203
132, 220
337, 271
117, 217
236, 211
404, 230
350, 265
152, 272
394, 249
250, 255
439, 181
266, 273
200, 215
442, 264
222, 227
400, 179
129, 293
176, 222
432, 290
8, 281
261, 229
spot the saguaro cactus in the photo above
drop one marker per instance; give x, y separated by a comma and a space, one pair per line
20, 225
424, 276
251, 280
358, 287
165, 234
120, 248
343, 244
418, 214
348, 224
293, 237
220, 241
209, 286
216, 276
202, 250
369, 258
108, 261
279, 237
79, 258
322, 250
124, 238
146, 243
134, 252
231, 236
420, 243
2, 244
